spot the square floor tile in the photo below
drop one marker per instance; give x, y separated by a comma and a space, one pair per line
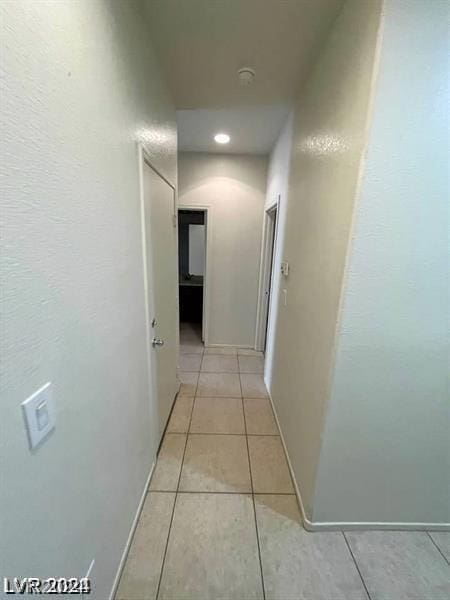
217, 415
259, 417
221, 350
249, 352
270, 471
251, 364
212, 551
190, 362
191, 348
181, 415
215, 463
141, 572
219, 384
188, 383
168, 466
298, 565
253, 386
400, 565
442, 541
215, 363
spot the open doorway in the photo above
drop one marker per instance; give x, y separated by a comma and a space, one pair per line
192, 244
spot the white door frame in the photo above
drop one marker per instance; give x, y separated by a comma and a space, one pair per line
145, 159
207, 209
268, 254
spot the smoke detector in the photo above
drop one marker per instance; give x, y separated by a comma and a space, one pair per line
246, 76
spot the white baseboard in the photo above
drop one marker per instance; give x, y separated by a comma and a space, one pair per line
344, 525
130, 535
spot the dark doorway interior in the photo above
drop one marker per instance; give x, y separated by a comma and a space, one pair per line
191, 264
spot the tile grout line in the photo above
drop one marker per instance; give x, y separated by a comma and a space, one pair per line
224, 493
175, 499
224, 433
253, 494
439, 550
356, 564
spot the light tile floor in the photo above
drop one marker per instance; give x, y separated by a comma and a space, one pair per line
221, 519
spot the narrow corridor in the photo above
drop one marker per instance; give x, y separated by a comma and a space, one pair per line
221, 519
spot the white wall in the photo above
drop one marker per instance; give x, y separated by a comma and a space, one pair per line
234, 187
80, 86
386, 452
277, 191
330, 124
197, 249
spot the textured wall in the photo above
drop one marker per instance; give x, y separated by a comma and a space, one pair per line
80, 86
386, 451
234, 186
328, 141
277, 191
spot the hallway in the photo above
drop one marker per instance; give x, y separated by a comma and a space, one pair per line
221, 519
225, 299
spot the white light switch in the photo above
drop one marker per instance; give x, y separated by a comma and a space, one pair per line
39, 415
285, 268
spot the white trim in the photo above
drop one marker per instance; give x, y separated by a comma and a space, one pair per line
266, 273
349, 525
130, 535
208, 210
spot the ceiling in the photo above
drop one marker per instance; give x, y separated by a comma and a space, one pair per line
202, 43
252, 130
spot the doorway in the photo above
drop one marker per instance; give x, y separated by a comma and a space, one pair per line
192, 272
160, 272
266, 277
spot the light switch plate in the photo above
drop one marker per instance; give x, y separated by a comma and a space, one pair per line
285, 268
39, 415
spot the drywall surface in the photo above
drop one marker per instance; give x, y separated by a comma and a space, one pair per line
328, 141
79, 86
234, 187
386, 448
197, 243
277, 192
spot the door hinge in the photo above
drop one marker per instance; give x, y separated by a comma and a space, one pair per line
174, 220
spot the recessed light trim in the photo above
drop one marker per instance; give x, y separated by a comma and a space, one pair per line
222, 138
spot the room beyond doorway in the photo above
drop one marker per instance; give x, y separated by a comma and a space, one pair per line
192, 260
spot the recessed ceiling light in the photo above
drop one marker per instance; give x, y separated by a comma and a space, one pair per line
222, 138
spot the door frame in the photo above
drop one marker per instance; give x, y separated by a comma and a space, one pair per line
207, 209
144, 159
266, 274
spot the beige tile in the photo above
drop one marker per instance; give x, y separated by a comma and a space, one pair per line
188, 383
301, 565
442, 541
190, 362
217, 415
215, 463
191, 348
215, 363
400, 565
253, 386
219, 384
249, 352
181, 415
168, 465
212, 551
251, 364
140, 576
221, 350
270, 471
259, 417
